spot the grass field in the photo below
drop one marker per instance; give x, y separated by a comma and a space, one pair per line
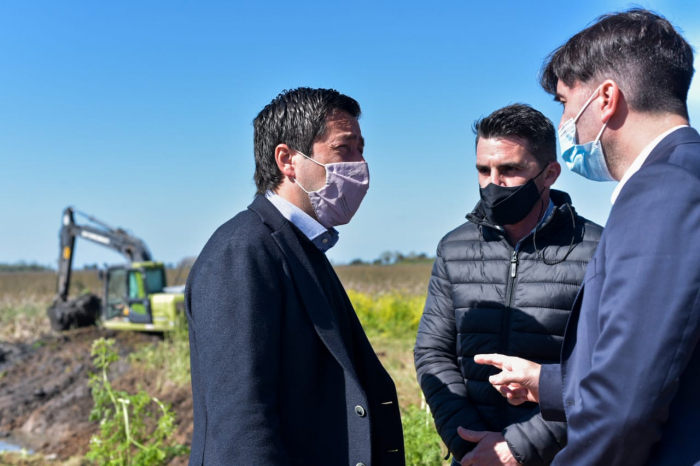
387, 299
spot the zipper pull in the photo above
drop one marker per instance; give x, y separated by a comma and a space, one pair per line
513, 264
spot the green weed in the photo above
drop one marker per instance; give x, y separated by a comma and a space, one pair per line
124, 438
422, 443
169, 359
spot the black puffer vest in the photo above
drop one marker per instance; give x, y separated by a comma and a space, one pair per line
487, 297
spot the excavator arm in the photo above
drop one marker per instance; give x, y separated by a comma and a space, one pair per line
132, 248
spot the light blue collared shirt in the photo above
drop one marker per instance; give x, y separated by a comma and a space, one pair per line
322, 238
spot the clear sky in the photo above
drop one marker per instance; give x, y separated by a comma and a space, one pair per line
140, 112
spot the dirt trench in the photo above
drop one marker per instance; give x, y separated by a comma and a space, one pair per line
45, 402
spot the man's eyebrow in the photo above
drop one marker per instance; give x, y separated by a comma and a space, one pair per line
512, 165
516, 166
350, 137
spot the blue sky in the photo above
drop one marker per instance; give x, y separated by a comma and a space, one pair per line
140, 112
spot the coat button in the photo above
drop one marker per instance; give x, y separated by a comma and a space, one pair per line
360, 464
360, 411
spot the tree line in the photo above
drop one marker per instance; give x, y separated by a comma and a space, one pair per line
392, 258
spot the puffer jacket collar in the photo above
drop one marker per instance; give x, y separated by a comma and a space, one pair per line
562, 204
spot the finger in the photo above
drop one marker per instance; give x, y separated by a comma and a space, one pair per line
517, 400
510, 391
470, 435
496, 360
502, 389
467, 460
507, 377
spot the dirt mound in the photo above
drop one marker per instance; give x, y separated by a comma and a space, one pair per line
44, 397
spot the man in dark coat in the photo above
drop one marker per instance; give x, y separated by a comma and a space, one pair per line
630, 366
282, 372
504, 281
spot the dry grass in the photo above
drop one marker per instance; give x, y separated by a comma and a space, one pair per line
25, 296
409, 279
396, 356
23, 318
43, 284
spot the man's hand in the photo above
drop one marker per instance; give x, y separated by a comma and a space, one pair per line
491, 449
519, 379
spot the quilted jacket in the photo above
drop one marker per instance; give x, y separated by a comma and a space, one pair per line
485, 296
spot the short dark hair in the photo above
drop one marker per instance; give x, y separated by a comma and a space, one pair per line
296, 118
525, 122
650, 61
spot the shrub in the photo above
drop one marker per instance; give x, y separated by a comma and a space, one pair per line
391, 314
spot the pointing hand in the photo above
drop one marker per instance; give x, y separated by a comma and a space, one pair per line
519, 379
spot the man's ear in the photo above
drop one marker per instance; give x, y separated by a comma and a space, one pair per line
551, 174
283, 158
610, 97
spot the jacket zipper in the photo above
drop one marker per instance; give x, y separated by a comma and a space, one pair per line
505, 327
510, 285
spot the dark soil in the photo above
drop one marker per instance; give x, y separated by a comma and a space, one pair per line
45, 402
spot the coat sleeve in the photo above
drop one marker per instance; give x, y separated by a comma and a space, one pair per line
535, 442
648, 316
435, 356
235, 309
551, 393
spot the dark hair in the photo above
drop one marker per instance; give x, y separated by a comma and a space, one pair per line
650, 61
525, 122
296, 118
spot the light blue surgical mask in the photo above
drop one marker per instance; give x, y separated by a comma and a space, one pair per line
587, 159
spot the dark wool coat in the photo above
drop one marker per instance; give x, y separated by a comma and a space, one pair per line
273, 380
485, 297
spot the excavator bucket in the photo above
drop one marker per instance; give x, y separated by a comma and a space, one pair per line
80, 312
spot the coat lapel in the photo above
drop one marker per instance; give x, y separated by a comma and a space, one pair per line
306, 282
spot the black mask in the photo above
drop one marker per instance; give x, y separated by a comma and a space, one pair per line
505, 205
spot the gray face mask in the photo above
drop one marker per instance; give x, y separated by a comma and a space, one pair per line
338, 200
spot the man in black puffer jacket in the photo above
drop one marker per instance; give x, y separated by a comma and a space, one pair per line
504, 282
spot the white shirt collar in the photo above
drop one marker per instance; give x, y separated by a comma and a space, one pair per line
304, 222
639, 161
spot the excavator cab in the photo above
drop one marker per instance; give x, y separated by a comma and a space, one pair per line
128, 290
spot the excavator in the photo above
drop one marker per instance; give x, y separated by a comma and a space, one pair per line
135, 295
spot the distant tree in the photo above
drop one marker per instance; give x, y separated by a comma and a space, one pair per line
391, 258
357, 262
386, 258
